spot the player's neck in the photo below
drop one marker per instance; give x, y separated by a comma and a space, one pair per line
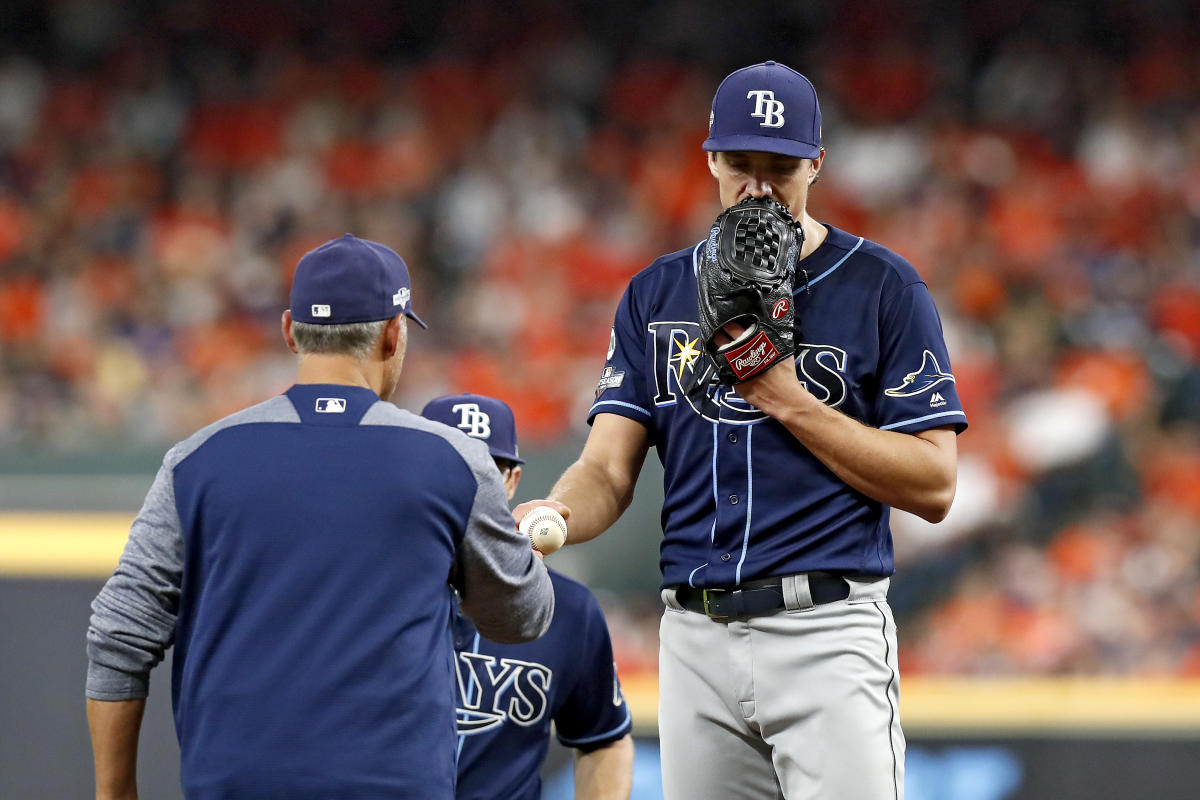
338, 369
814, 235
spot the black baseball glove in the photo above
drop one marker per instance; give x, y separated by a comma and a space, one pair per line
746, 276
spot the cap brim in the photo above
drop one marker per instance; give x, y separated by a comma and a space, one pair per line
498, 453
416, 319
762, 144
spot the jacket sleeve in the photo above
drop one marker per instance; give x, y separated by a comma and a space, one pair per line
133, 617
505, 588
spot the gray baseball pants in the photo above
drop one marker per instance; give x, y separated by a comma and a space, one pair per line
801, 704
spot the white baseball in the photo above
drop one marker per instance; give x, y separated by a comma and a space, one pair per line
546, 528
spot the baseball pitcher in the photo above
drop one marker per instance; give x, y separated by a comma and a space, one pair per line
794, 380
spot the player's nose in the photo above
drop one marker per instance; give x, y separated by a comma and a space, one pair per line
759, 187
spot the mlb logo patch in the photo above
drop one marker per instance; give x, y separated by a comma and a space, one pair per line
320, 310
331, 405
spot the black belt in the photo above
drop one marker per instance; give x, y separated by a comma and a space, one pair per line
758, 597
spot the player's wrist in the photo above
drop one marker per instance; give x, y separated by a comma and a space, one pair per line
799, 410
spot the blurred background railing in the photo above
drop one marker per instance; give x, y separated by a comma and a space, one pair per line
163, 166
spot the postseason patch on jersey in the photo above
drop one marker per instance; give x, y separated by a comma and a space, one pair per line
609, 379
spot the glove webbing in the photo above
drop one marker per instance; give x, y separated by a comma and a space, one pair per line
755, 243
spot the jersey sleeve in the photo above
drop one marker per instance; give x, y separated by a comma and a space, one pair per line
595, 713
621, 388
916, 385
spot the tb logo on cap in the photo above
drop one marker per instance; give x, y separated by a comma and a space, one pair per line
475, 423
766, 108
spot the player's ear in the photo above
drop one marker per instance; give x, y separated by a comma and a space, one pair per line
512, 477
712, 163
395, 336
816, 167
285, 323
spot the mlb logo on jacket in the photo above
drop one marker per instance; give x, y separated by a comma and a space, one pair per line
331, 405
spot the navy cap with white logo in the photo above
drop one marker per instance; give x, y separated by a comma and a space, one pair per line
350, 280
768, 107
480, 417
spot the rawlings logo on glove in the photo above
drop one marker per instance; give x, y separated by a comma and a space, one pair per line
746, 276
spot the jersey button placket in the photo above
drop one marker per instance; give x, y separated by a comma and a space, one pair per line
731, 483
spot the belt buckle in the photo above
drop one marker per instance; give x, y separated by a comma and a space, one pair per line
708, 595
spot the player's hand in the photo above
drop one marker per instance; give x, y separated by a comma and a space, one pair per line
774, 391
524, 508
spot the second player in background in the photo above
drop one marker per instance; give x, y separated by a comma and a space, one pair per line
509, 694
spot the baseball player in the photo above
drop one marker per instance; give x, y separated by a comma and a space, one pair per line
777, 671
307, 591
509, 693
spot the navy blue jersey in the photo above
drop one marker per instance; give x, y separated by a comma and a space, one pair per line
508, 695
307, 588
744, 499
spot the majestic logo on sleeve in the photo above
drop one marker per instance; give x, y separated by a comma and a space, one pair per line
921, 380
472, 421
682, 370
766, 108
491, 691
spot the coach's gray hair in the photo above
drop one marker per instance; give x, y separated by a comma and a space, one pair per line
352, 339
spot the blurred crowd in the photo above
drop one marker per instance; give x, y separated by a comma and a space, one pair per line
162, 168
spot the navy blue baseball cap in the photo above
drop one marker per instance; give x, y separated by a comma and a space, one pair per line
350, 280
480, 417
768, 107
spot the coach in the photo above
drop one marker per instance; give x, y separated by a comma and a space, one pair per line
306, 587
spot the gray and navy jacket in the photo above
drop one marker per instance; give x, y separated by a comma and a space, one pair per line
744, 499
301, 555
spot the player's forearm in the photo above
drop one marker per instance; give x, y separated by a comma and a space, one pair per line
607, 773
595, 496
599, 486
114, 727
915, 473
